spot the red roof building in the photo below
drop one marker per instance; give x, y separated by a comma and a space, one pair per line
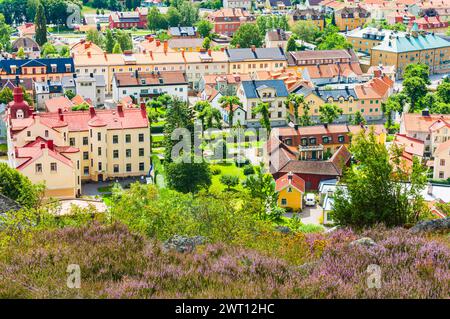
227, 20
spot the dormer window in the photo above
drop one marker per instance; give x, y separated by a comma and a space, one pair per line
53, 66
20, 115
69, 68
13, 69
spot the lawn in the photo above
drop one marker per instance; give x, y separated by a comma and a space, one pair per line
226, 169
3, 147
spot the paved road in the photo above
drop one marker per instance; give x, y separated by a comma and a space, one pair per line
309, 215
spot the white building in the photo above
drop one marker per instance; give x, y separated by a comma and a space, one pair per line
242, 4
44, 91
142, 86
92, 88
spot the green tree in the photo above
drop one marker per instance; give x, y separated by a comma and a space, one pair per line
379, 189
6, 95
41, 25
124, 39
229, 102
18, 187
334, 41
173, 17
443, 92
21, 53
262, 108
204, 28
209, 116
328, 113
64, 51
296, 100
156, 20
69, 94
117, 49
189, 14
305, 119
229, 181
188, 177
206, 43
417, 70
5, 32
109, 41
246, 36
415, 88
81, 107
49, 50
359, 119
95, 37
306, 31
291, 44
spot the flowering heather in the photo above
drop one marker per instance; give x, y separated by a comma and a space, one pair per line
118, 264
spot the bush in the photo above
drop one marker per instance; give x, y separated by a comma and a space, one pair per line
248, 170
241, 161
229, 180
215, 171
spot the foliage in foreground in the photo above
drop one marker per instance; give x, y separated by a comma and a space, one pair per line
118, 264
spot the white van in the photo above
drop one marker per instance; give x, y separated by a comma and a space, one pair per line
310, 199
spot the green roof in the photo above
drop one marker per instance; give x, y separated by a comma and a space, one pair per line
407, 44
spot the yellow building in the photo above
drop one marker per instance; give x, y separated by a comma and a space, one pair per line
350, 18
252, 60
313, 16
414, 47
363, 40
65, 148
290, 190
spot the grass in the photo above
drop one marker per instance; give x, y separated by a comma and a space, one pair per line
226, 169
3, 147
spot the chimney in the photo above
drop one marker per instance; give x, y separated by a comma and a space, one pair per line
425, 112
92, 111
166, 46
222, 49
253, 47
119, 108
151, 54
50, 144
209, 52
61, 117
105, 55
143, 109
182, 53
158, 42
136, 73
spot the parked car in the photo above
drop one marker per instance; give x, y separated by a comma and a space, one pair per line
310, 199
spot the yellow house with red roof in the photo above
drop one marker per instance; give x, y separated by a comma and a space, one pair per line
290, 190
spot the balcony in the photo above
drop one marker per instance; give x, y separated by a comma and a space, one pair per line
309, 148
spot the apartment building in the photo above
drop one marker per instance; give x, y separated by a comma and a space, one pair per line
314, 16
129, 20
171, 45
277, 38
363, 40
322, 74
227, 20
432, 129
38, 70
44, 91
239, 4
64, 148
252, 60
441, 163
142, 86
430, 24
273, 92
365, 98
350, 18
414, 47
91, 88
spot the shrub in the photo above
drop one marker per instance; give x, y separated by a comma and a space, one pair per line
215, 171
229, 180
248, 170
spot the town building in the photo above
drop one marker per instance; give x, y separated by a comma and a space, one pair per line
412, 147
314, 16
44, 91
276, 5
91, 88
128, 19
430, 24
432, 129
239, 4
322, 74
350, 18
441, 163
85, 47
27, 30
39, 70
277, 38
182, 32
414, 47
64, 148
227, 20
29, 46
252, 60
226, 84
363, 40
298, 60
273, 92
142, 86
173, 45
290, 190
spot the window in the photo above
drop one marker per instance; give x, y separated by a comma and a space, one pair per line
141, 152
85, 155
38, 168
46, 133
115, 139
141, 166
128, 152
304, 141
28, 133
325, 139
128, 167
441, 174
85, 140
289, 190
53, 167
341, 138
442, 162
86, 170
312, 140
283, 202
72, 141
128, 138
99, 166
141, 137
99, 151
99, 136
116, 154
116, 168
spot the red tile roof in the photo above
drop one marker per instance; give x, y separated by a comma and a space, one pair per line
414, 122
442, 147
411, 145
295, 181
60, 102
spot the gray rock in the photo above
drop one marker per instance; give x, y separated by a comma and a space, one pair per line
183, 244
432, 225
364, 241
283, 229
